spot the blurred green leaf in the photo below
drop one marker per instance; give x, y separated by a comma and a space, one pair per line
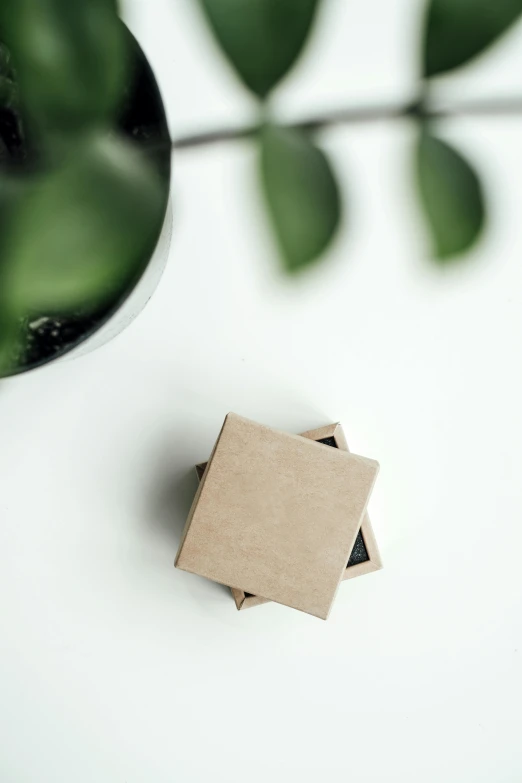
69, 57
8, 93
9, 333
79, 234
458, 30
11, 193
451, 197
261, 38
5, 60
301, 193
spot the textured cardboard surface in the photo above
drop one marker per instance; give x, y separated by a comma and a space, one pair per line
332, 434
254, 522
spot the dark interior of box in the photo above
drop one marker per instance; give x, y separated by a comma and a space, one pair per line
359, 552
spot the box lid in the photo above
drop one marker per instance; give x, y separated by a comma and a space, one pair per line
276, 515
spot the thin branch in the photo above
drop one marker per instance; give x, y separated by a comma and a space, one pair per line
214, 137
379, 113
488, 107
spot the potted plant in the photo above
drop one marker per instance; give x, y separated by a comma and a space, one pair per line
85, 156
84, 179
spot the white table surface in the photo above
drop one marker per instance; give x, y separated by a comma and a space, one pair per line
114, 667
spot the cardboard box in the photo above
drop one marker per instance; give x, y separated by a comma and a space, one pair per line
276, 516
365, 556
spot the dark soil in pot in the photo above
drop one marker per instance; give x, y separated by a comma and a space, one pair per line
141, 119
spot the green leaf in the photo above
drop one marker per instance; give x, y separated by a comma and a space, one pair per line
451, 197
8, 93
9, 335
69, 57
11, 193
459, 30
5, 60
301, 193
261, 38
78, 236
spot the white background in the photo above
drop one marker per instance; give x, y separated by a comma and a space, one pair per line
114, 667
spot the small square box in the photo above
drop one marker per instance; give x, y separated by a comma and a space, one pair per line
364, 557
277, 515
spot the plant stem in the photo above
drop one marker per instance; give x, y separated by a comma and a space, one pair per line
378, 113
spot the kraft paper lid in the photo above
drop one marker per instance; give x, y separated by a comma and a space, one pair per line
276, 515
